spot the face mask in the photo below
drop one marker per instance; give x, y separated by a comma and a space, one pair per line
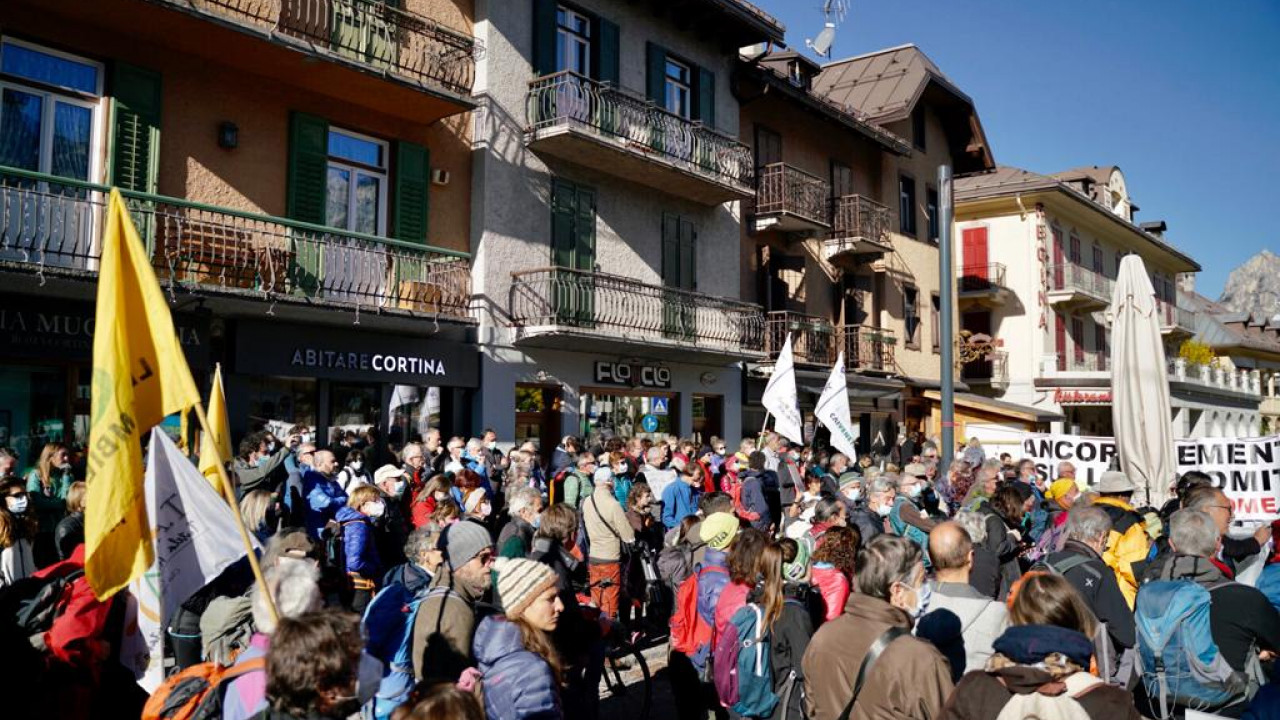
914, 491
442, 496
66, 466
271, 447
854, 495
492, 444
537, 521
1026, 518
263, 460
368, 679
356, 465
923, 594
17, 505
720, 452
884, 510
308, 437
375, 509
398, 488
485, 509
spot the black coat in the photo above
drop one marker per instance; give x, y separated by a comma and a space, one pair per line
984, 576
1097, 584
788, 642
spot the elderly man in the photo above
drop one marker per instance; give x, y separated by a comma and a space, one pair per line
907, 517
322, 493
524, 505
1081, 563
1214, 503
981, 619
653, 471
607, 530
1128, 544
578, 485
445, 623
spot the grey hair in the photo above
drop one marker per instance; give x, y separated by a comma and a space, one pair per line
992, 464
295, 585
885, 560
882, 483
1192, 532
654, 456
1088, 524
476, 444
421, 540
826, 509
523, 497
410, 450
974, 523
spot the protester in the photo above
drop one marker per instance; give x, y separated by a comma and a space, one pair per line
680, 498
909, 678
1039, 513
610, 537
424, 503
518, 663
70, 530
655, 473
906, 516
47, 486
323, 494
422, 561
1005, 515
18, 527
445, 623
984, 574
353, 472
363, 565
1128, 544
1080, 562
313, 666
524, 504
441, 701
833, 565
790, 634
980, 618
578, 486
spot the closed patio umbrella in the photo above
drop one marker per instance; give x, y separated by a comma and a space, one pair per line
1140, 384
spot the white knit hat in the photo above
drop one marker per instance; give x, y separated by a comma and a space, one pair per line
520, 582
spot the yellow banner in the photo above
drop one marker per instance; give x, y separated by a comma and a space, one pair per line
215, 443
139, 376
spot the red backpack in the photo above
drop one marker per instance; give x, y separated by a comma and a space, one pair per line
688, 630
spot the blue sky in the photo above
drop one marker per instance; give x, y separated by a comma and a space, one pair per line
1184, 96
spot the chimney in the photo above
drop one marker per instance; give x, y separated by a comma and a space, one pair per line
1155, 227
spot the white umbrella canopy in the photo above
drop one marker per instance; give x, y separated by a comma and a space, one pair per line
1140, 384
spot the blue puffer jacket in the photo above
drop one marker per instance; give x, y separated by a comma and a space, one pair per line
518, 684
358, 544
679, 499
324, 498
753, 499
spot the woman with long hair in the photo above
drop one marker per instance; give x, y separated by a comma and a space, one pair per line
521, 671
354, 472
257, 509
425, 502
1004, 533
833, 564
744, 572
48, 483
17, 529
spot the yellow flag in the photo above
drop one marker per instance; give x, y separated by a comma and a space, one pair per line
215, 443
139, 376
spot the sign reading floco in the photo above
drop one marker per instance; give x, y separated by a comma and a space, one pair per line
1247, 469
652, 376
267, 349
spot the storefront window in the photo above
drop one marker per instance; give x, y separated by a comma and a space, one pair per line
33, 405
280, 403
353, 407
538, 416
708, 417
413, 411
610, 414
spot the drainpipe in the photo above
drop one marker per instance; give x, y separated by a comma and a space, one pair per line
946, 281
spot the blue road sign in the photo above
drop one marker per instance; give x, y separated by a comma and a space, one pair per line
660, 406
649, 423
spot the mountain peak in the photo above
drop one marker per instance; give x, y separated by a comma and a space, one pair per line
1254, 287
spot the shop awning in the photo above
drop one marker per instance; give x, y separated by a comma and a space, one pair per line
999, 407
864, 388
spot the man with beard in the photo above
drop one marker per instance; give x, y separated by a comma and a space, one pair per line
447, 619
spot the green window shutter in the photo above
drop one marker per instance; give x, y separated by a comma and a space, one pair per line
563, 209
688, 256
585, 230
135, 153
656, 73
707, 96
413, 180
670, 250
606, 50
308, 168
544, 37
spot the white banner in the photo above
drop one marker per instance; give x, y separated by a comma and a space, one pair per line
833, 412
1247, 469
780, 396
195, 537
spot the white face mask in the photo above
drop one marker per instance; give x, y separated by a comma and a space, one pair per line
884, 510
441, 495
375, 509
398, 488
17, 505
484, 509
492, 444
854, 495
357, 465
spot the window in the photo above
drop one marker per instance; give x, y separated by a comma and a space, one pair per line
573, 41
907, 205
911, 315
917, 129
679, 85
357, 183
931, 212
841, 179
679, 252
1098, 265
48, 107
1077, 341
1075, 249
1100, 344
768, 147
935, 318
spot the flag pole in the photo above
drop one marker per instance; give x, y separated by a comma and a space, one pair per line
763, 426
230, 494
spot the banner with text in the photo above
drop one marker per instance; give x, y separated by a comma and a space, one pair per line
1248, 469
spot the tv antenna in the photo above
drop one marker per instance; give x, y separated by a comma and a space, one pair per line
833, 13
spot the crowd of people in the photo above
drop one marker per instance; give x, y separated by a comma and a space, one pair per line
448, 579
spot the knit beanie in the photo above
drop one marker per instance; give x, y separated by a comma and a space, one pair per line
794, 571
1059, 488
462, 541
718, 530
473, 500
520, 582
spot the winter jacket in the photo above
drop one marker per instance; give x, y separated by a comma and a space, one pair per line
982, 620
1005, 546
906, 520
1039, 512
443, 630
868, 523
574, 633
1097, 585
753, 499
358, 544
324, 497
1128, 545
577, 487
69, 534
518, 683
711, 585
246, 694
349, 479
515, 538
788, 641
679, 500
560, 459
984, 576
1241, 619
415, 578
606, 525
910, 680
49, 504
16, 562
269, 474
833, 587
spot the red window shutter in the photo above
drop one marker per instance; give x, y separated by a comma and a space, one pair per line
1077, 338
1060, 340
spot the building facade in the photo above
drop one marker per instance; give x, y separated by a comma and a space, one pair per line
605, 218
300, 175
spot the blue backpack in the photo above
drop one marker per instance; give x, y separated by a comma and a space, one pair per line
742, 667
388, 627
1178, 659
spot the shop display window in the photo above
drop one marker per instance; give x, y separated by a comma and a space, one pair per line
280, 403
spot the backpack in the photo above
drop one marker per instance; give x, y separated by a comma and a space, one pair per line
388, 629
1115, 668
335, 545
33, 603
1065, 706
689, 632
743, 668
675, 563
1178, 660
197, 692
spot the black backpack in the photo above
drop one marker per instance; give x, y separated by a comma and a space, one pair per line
31, 604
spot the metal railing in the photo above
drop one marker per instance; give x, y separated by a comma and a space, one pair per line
991, 370
53, 225
373, 33
1070, 277
1087, 361
816, 341
594, 301
781, 188
854, 219
1237, 380
1172, 316
979, 278
567, 98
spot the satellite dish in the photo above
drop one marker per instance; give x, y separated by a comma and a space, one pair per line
822, 45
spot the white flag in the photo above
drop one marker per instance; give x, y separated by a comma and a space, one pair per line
195, 537
833, 411
780, 396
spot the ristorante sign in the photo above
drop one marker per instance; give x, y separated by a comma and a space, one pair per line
1081, 397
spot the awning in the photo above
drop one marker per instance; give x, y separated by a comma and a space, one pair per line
864, 388
999, 407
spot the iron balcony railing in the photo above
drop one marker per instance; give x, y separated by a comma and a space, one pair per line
1071, 277
569, 99
604, 303
781, 188
373, 33
816, 341
1172, 316
980, 278
1083, 361
855, 219
991, 370
53, 226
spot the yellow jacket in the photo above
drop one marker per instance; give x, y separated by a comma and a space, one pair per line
1127, 544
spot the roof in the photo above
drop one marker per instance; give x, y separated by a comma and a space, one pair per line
1000, 407
885, 86
1223, 329
1007, 181
1098, 174
752, 25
